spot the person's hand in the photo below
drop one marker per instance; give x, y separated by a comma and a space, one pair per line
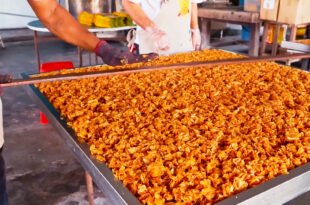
114, 56
196, 38
159, 38
4, 79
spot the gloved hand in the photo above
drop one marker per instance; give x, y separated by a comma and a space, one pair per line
196, 38
114, 56
4, 79
159, 38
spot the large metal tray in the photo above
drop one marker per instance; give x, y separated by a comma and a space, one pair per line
276, 191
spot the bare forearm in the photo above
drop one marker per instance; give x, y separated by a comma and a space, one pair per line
67, 28
62, 24
137, 14
194, 16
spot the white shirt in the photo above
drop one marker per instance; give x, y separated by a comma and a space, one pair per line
152, 7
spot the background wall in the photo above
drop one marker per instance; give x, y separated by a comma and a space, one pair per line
15, 14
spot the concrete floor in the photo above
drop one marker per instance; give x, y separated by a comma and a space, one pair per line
40, 169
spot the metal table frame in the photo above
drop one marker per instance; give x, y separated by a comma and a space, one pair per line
298, 47
102, 175
277, 26
276, 191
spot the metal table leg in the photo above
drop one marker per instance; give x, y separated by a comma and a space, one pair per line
89, 58
36, 49
254, 39
293, 33
264, 38
292, 37
305, 64
96, 59
80, 55
90, 188
275, 40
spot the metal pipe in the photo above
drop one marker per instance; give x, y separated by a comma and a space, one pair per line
36, 49
90, 188
74, 76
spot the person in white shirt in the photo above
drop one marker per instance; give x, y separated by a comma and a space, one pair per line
165, 26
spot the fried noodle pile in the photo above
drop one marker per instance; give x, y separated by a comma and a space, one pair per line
194, 135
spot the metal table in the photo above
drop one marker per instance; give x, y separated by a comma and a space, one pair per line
276, 191
37, 27
299, 47
268, 24
233, 16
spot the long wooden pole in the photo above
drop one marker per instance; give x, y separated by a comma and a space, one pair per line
74, 76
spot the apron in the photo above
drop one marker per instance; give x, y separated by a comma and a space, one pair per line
174, 18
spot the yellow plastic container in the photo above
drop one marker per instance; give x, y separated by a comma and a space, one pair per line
301, 31
86, 18
270, 32
104, 21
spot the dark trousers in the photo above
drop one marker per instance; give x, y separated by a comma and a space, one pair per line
3, 193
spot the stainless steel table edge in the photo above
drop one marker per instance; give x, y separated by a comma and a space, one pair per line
295, 46
279, 190
103, 176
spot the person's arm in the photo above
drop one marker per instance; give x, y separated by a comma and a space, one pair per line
194, 16
196, 37
60, 22
137, 14
156, 35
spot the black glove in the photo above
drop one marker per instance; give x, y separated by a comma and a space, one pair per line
4, 79
114, 56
